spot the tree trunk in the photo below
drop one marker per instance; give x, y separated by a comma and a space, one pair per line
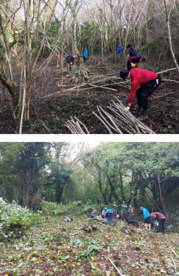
74, 38
169, 35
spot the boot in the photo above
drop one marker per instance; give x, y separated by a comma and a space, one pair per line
138, 111
144, 115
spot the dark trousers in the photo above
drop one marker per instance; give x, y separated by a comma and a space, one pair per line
161, 225
129, 67
145, 91
84, 58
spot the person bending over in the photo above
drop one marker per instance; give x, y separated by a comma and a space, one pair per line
70, 59
143, 84
161, 219
133, 61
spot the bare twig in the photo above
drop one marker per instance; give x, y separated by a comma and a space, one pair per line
75, 127
82, 124
46, 127
115, 267
165, 71
23, 103
175, 253
170, 80
173, 263
96, 86
156, 98
103, 122
110, 117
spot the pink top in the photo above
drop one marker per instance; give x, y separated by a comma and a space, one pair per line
103, 212
157, 215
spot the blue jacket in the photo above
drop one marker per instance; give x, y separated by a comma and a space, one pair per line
120, 50
108, 210
146, 213
85, 53
70, 58
93, 215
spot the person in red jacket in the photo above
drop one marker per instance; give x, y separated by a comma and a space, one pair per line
143, 84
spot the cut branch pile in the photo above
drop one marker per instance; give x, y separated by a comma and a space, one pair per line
89, 228
120, 120
76, 127
78, 75
99, 220
116, 122
86, 80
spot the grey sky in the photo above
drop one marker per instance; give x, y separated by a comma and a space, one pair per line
76, 146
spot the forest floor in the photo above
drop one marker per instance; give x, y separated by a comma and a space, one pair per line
55, 247
48, 114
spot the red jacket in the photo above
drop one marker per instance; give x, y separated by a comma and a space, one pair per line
139, 76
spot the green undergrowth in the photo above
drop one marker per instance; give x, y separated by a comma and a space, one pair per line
14, 220
76, 207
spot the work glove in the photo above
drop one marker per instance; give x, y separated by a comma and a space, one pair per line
71, 63
133, 65
126, 109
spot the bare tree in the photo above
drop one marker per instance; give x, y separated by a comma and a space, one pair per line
169, 33
35, 31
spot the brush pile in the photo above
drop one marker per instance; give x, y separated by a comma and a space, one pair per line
117, 121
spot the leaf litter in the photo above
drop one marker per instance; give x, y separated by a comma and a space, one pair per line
52, 248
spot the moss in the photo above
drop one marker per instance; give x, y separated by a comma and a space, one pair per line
117, 263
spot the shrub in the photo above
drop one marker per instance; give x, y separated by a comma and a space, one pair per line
14, 219
52, 208
76, 207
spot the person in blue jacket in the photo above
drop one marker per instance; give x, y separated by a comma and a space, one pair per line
85, 54
120, 50
110, 216
146, 215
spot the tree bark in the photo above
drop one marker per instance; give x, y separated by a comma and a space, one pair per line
109, 180
169, 35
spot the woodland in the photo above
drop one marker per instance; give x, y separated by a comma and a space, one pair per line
41, 183
38, 93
